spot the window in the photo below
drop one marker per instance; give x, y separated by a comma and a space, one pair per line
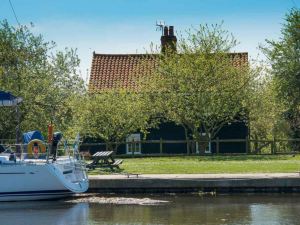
132, 147
207, 148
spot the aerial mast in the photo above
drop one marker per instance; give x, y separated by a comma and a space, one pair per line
160, 26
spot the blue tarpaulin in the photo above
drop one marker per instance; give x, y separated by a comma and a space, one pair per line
27, 137
7, 99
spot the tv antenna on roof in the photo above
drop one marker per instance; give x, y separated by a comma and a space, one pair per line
160, 26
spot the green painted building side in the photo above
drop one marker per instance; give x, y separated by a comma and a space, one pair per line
171, 131
237, 130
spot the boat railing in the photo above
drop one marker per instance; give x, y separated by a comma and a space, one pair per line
66, 155
20, 153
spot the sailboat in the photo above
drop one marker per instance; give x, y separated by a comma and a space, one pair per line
35, 169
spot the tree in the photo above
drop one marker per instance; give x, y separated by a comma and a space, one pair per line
284, 57
112, 115
44, 78
199, 86
265, 111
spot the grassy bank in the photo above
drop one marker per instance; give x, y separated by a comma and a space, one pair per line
208, 164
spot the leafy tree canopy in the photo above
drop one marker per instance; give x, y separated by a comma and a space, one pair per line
284, 58
45, 79
112, 115
200, 87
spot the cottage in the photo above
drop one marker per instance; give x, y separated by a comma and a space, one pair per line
121, 70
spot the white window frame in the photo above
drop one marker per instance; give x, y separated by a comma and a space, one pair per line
137, 148
207, 151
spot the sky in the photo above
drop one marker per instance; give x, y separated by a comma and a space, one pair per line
128, 26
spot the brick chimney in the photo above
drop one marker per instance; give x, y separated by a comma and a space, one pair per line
168, 39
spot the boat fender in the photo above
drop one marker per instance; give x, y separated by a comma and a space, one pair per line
35, 147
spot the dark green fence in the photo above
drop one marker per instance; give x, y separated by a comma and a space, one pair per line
250, 146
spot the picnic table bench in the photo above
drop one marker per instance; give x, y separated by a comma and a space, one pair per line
104, 159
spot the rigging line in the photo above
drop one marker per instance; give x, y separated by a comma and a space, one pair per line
12, 7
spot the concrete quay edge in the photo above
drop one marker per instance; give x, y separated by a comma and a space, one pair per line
220, 183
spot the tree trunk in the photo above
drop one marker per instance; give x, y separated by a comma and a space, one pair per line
188, 149
203, 142
115, 149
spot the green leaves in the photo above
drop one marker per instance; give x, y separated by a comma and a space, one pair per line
265, 110
112, 115
200, 87
284, 57
45, 81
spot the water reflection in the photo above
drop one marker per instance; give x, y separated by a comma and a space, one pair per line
181, 210
187, 210
43, 212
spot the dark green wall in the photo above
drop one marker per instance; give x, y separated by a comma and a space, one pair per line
166, 131
237, 130
171, 131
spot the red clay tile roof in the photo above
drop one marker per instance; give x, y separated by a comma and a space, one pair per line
240, 58
111, 71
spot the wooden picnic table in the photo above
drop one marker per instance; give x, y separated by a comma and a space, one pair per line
104, 159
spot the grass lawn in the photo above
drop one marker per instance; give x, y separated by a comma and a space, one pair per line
208, 164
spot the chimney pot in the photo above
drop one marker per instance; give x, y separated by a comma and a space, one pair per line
171, 30
166, 31
168, 39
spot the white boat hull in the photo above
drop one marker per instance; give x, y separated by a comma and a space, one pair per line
41, 180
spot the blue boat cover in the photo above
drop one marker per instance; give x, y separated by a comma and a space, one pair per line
6, 96
27, 137
7, 99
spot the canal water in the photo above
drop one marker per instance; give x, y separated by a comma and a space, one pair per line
156, 209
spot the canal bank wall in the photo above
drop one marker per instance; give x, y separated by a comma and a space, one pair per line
185, 183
